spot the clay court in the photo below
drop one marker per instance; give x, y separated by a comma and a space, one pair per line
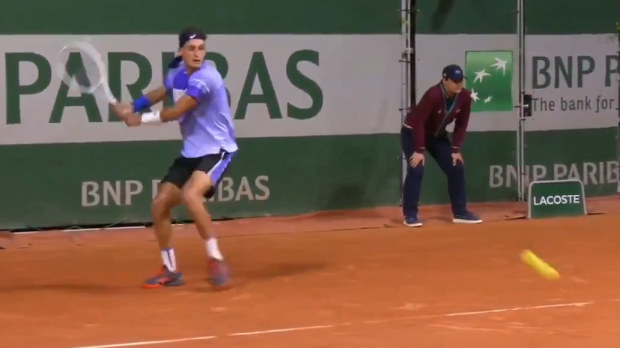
341, 279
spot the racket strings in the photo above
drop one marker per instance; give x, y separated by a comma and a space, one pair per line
81, 67
81, 70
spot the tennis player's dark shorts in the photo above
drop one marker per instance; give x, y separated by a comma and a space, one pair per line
215, 165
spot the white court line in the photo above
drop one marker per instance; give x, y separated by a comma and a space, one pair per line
301, 328
490, 311
149, 343
329, 326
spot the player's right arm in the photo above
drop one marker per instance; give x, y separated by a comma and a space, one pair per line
123, 110
157, 95
144, 102
151, 98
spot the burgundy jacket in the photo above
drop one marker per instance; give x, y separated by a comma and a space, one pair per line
430, 117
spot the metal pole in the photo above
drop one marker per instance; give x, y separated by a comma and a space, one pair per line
406, 59
618, 102
412, 53
404, 78
521, 148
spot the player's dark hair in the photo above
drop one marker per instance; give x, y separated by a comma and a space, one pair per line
187, 34
191, 33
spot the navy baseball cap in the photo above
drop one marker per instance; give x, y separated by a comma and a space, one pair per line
453, 72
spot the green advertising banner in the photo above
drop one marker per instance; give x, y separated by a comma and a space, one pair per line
571, 69
295, 72
315, 90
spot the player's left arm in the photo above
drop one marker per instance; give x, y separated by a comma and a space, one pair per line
199, 87
185, 104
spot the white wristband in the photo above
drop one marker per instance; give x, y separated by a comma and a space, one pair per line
151, 118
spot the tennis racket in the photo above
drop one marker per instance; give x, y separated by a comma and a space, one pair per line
81, 67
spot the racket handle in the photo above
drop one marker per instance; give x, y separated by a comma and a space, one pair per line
109, 95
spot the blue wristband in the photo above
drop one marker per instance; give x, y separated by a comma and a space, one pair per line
141, 104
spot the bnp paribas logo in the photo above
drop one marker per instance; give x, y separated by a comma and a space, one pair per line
489, 78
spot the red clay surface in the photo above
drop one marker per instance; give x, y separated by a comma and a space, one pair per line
341, 279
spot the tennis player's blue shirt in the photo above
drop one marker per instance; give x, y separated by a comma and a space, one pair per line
208, 128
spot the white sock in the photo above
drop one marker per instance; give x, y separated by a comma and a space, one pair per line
213, 250
167, 256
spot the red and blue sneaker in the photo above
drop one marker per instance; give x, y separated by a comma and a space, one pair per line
219, 273
164, 278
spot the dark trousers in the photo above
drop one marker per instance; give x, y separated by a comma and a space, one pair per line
440, 149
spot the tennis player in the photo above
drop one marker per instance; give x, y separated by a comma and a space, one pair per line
424, 130
209, 144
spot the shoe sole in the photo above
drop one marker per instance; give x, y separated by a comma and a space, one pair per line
463, 221
175, 282
222, 287
417, 224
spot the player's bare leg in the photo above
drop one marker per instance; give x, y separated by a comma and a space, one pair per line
168, 196
193, 197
